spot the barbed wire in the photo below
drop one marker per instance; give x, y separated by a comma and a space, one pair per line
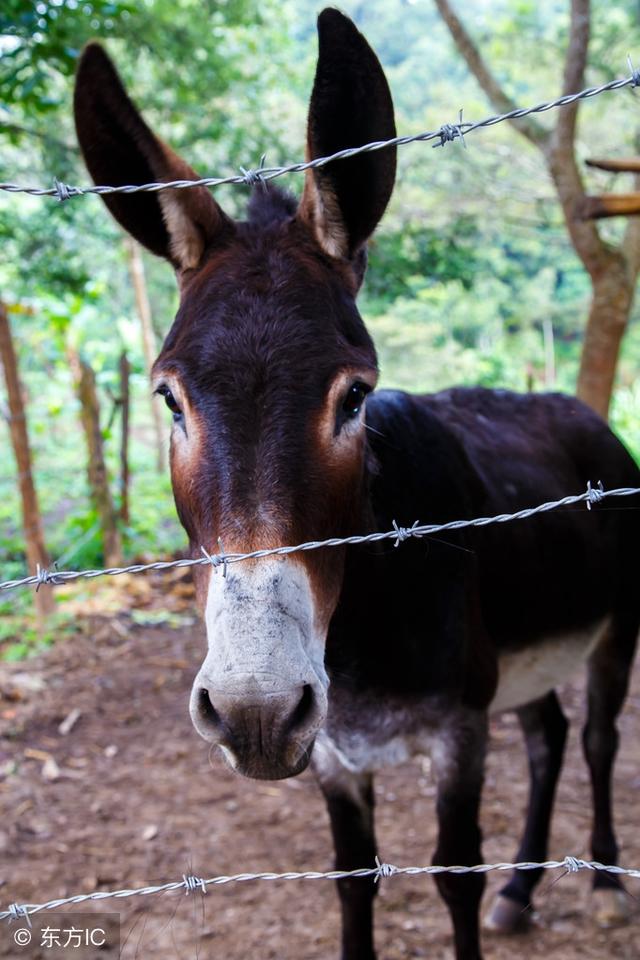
592, 496
191, 884
446, 133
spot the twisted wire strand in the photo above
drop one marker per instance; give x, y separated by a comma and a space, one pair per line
592, 496
192, 884
446, 133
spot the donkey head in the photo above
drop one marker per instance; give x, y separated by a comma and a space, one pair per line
265, 371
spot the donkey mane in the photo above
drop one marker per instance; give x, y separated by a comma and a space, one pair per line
269, 205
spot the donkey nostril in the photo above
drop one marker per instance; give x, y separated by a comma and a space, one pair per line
303, 711
206, 709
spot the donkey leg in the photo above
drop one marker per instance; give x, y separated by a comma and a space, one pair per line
349, 798
608, 680
545, 730
459, 767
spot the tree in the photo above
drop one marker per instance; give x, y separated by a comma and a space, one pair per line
37, 555
85, 384
613, 270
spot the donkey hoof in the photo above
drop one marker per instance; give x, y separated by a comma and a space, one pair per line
610, 908
507, 916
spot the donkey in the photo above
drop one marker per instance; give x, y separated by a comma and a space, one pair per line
352, 658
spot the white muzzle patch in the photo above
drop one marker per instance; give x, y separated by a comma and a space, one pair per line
263, 643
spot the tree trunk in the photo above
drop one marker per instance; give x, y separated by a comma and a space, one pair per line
125, 369
32, 521
608, 318
85, 385
613, 271
149, 345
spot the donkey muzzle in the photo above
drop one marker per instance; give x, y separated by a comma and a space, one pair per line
268, 736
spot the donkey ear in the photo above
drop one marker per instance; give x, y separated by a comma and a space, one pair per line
119, 148
350, 105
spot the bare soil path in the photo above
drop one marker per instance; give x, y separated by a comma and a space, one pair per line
130, 796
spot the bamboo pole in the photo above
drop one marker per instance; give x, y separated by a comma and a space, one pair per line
549, 354
149, 346
85, 386
125, 369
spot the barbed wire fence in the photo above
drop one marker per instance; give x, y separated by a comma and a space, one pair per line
445, 133
192, 884
592, 496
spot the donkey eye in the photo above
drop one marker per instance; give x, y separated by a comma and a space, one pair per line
352, 403
170, 401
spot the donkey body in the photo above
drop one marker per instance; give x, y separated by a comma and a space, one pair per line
350, 659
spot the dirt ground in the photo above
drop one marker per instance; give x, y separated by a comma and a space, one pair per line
130, 796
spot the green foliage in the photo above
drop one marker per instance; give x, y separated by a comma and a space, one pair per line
20, 638
41, 44
42, 41
407, 258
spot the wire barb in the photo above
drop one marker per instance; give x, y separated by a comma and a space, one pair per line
384, 870
18, 911
594, 494
449, 132
62, 190
216, 560
635, 74
45, 575
194, 883
223, 558
404, 533
254, 177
